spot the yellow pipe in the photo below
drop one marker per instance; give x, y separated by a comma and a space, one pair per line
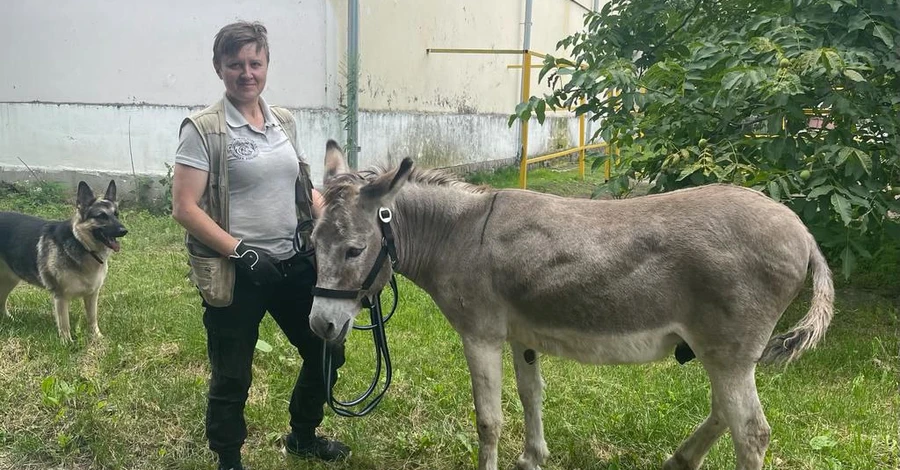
526, 92
440, 50
581, 144
612, 150
473, 51
551, 156
607, 168
594, 146
562, 153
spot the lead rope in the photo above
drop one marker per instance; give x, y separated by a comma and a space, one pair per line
377, 322
382, 355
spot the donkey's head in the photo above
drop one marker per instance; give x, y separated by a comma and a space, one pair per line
348, 238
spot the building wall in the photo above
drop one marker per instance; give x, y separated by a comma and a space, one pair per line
397, 74
158, 53
451, 109
102, 85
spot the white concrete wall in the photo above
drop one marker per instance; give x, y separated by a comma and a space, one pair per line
123, 140
155, 52
398, 74
102, 85
451, 109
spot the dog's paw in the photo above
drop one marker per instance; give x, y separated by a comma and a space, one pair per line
96, 335
65, 337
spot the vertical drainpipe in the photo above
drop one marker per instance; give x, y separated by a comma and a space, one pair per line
353, 84
526, 40
526, 45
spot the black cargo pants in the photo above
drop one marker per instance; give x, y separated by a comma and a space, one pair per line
232, 333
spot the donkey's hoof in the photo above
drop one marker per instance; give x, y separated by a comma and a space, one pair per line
531, 461
522, 465
677, 462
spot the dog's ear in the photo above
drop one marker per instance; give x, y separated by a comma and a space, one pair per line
111, 191
334, 161
85, 196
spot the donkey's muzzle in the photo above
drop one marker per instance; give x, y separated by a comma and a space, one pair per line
329, 330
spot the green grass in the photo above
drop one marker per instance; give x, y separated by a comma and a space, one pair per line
136, 399
557, 178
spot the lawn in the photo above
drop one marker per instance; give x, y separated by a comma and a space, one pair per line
136, 398
556, 178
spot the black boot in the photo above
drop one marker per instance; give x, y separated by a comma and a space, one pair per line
231, 460
315, 448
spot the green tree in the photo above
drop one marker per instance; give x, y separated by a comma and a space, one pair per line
798, 98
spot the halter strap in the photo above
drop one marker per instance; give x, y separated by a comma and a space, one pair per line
373, 303
388, 250
334, 293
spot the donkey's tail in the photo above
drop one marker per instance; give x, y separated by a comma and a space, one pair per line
788, 346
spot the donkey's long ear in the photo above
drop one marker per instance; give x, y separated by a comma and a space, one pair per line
334, 161
111, 191
382, 190
84, 197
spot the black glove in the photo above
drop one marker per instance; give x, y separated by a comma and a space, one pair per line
258, 264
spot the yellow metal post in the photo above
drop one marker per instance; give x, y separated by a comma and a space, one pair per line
526, 93
581, 143
610, 150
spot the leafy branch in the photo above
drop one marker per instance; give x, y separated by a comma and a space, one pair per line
797, 98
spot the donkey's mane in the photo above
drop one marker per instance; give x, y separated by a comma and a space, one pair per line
339, 185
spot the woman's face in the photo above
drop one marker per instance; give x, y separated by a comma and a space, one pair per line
244, 74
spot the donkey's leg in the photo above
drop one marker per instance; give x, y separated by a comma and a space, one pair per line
735, 387
530, 385
690, 454
485, 366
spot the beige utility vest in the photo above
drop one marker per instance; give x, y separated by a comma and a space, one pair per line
212, 273
210, 123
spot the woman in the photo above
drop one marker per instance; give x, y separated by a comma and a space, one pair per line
238, 190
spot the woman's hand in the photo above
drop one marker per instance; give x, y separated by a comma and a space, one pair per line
318, 203
258, 264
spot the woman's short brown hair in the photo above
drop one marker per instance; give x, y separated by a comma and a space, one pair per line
233, 37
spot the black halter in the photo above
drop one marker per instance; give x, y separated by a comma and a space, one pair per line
387, 249
373, 303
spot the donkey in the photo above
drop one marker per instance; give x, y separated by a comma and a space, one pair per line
710, 268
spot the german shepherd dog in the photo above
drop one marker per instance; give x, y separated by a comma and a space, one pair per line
68, 258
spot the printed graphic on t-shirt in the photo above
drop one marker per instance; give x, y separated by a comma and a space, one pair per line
242, 149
